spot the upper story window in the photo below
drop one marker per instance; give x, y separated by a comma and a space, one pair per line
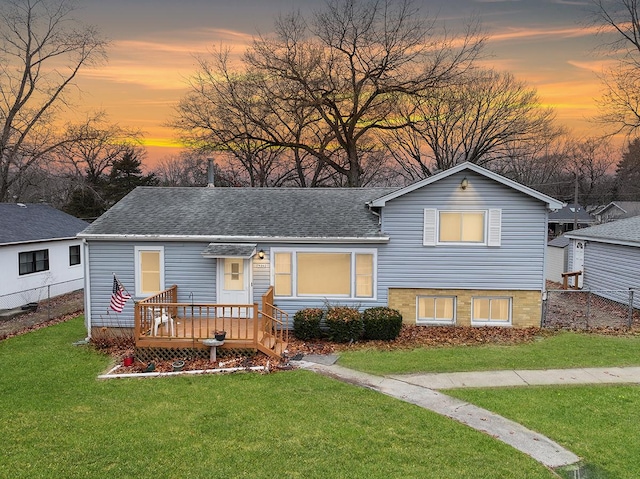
458, 227
33, 261
336, 273
461, 227
74, 255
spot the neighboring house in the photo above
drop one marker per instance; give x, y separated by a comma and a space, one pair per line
464, 247
557, 257
39, 253
566, 219
609, 257
617, 210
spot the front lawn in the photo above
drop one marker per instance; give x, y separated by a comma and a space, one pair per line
562, 350
599, 423
58, 420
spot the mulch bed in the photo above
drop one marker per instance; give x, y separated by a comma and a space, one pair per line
410, 337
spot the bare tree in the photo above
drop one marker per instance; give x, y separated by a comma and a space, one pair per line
486, 116
592, 161
42, 49
185, 169
95, 145
327, 86
619, 23
541, 165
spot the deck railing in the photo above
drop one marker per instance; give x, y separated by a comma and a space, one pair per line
161, 321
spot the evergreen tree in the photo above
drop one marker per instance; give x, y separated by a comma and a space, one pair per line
125, 176
628, 173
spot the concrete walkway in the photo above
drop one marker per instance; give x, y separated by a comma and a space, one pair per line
486, 379
420, 389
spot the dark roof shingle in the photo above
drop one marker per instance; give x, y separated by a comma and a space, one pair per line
36, 222
243, 212
619, 231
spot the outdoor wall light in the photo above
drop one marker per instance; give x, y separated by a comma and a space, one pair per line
261, 254
464, 183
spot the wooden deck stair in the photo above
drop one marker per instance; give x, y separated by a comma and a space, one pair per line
274, 335
271, 345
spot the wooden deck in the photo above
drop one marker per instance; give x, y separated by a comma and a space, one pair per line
162, 322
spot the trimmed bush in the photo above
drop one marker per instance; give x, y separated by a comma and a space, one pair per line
306, 324
381, 323
344, 324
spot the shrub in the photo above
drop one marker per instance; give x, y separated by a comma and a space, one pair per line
381, 323
306, 323
344, 324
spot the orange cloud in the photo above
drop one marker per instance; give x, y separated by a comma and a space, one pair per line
160, 64
531, 33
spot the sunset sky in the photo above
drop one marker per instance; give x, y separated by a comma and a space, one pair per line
153, 44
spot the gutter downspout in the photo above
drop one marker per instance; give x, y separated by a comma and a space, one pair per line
87, 290
375, 213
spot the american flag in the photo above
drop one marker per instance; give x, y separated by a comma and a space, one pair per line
119, 296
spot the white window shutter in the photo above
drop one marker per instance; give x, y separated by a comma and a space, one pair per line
429, 238
495, 227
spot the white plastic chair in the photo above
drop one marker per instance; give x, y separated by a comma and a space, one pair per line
164, 318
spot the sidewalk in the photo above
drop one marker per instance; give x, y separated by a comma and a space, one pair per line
421, 390
489, 379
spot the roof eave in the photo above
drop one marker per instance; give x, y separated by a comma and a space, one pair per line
603, 240
233, 239
45, 240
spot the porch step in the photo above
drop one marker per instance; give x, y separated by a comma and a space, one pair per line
269, 341
280, 348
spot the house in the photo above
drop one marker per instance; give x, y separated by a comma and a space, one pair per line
463, 247
609, 257
617, 210
568, 218
556, 260
39, 252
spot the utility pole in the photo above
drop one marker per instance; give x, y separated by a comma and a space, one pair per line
575, 203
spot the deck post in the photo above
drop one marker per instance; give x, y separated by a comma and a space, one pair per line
136, 321
255, 324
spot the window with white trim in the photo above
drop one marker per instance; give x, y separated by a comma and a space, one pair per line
324, 273
490, 310
282, 274
462, 227
149, 270
436, 309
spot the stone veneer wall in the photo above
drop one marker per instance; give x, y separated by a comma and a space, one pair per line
526, 305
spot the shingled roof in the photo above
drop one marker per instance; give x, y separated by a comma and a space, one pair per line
21, 223
624, 232
242, 213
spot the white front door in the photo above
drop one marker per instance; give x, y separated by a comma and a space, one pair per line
234, 281
578, 260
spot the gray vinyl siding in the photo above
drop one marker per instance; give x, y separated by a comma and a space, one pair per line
517, 264
184, 266
612, 270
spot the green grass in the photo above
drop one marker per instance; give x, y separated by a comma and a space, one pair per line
563, 350
58, 420
599, 423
